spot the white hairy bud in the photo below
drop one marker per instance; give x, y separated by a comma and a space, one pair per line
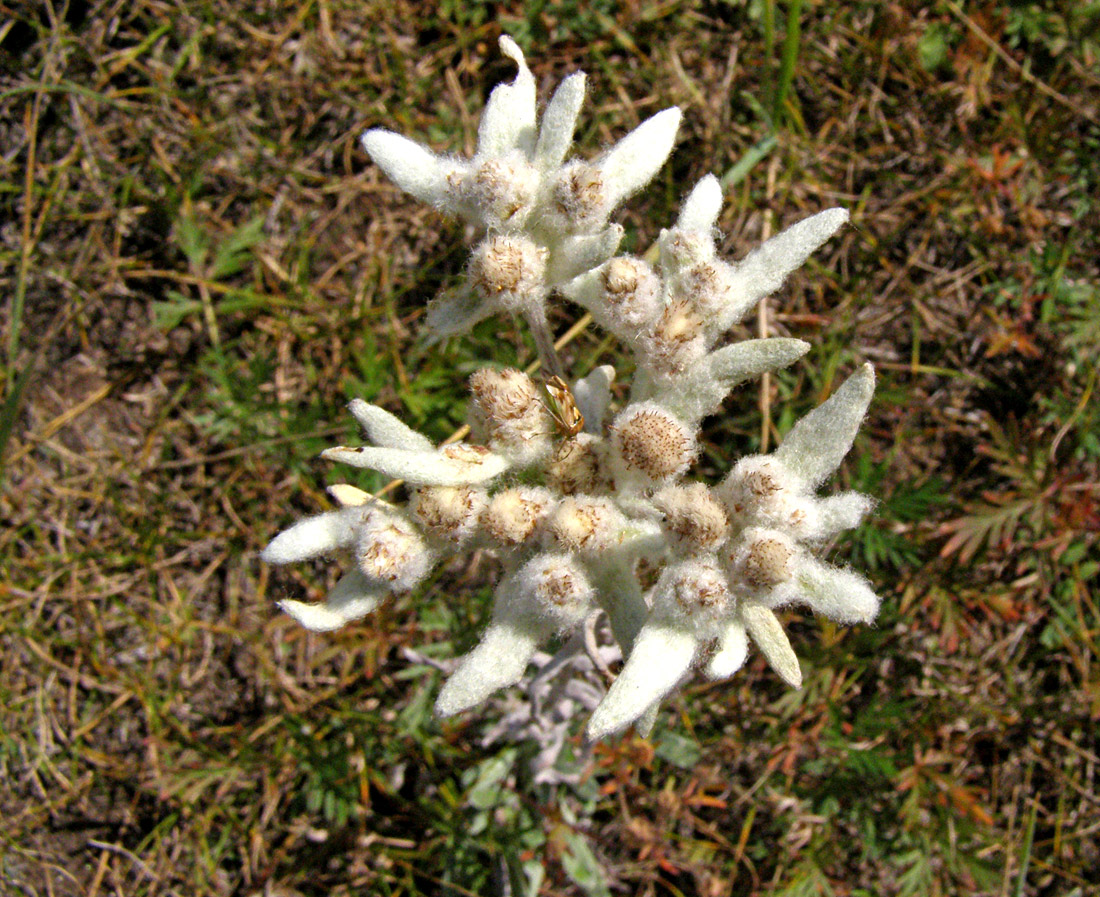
762, 559
651, 443
502, 190
448, 512
693, 519
632, 290
507, 408
577, 466
709, 287
677, 339
694, 591
760, 491
558, 586
585, 524
682, 249
579, 196
510, 271
512, 516
391, 550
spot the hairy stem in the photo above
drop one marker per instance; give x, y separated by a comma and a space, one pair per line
544, 342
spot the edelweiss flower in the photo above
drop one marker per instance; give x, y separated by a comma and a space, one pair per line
570, 494
546, 219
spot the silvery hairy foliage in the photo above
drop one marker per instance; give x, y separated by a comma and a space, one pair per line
583, 491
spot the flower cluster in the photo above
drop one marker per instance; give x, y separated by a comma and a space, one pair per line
572, 494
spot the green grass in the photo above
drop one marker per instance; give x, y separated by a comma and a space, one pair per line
202, 267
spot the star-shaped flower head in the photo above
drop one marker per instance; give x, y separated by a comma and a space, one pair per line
673, 317
544, 220
724, 583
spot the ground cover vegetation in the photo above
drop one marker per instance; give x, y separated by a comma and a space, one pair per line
200, 267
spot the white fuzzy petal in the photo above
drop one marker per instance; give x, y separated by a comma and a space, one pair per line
765, 268
455, 312
412, 167
383, 429
559, 122
842, 512
634, 160
353, 596
508, 121
497, 662
421, 468
705, 386
702, 207
729, 656
816, 444
660, 656
768, 635
841, 595
593, 395
580, 253
313, 536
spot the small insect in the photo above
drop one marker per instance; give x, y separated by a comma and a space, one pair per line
563, 407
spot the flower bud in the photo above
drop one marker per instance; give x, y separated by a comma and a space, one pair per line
509, 271
558, 586
677, 339
651, 443
709, 287
448, 512
694, 591
391, 550
508, 410
585, 524
579, 197
693, 519
513, 515
762, 559
576, 466
632, 290
760, 491
502, 190
682, 249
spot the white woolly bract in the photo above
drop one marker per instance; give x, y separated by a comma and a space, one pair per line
508, 121
701, 208
455, 312
841, 512
702, 388
415, 169
353, 596
432, 468
577, 253
386, 430
497, 662
763, 270
839, 594
661, 655
559, 120
730, 651
634, 160
593, 395
816, 444
313, 536
767, 634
